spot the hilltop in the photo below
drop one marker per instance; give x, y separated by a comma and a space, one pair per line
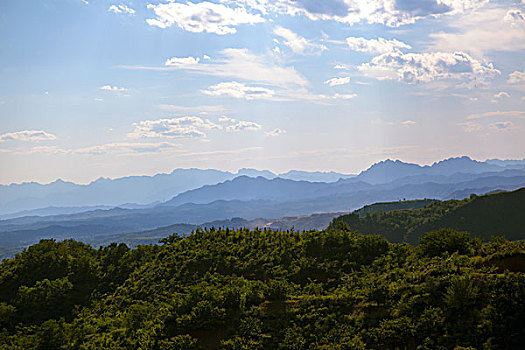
483, 216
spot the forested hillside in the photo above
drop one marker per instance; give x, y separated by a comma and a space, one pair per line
222, 289
483, 216
389, 206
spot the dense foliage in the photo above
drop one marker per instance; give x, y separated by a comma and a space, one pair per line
484, 216
389, 206
222, 289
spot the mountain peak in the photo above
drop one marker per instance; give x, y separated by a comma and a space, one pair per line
462, 159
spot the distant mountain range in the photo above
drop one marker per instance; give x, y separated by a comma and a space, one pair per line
128, 191
82, 210
61, 197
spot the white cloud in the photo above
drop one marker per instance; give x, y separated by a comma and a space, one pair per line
121, 9
508, 114
514, 16
337, 81
233, 124
113, 88
343, 96
379, 45
275, 132
181, 61
305, 95
225, 119
426, 67
470, 126
183, 127
340, 66
192, 109
239, 90
244, 65
243, 125
298, 44
481, 32
502, 126
388, 12
47, 150
516, 77
125, 148
202, 17
408, 122
501, 94
27, 136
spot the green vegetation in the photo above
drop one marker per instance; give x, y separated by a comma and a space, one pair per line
484, 216
242, 289
389, 206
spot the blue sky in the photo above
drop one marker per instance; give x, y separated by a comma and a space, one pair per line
113, 88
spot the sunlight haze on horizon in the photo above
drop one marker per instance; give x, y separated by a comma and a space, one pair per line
92, 88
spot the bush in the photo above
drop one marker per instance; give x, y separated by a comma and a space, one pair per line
446, 240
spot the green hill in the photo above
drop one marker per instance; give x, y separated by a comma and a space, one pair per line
483, 216
399, 205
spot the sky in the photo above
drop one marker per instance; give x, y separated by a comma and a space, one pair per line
92, 88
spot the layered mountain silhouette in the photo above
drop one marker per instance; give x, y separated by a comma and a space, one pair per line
137, 191
84, 210
125, 191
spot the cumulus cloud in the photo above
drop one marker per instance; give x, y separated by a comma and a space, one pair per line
408, 123
202, 17
243, 125
481, 32
113, 88
275, 132
233, 124
183, 127
501, 94
181, 61
390, 13
516, 77
239, 90
426, 67
337, 81
121, 9
514, 16
298, 44
27, 136
379, 45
